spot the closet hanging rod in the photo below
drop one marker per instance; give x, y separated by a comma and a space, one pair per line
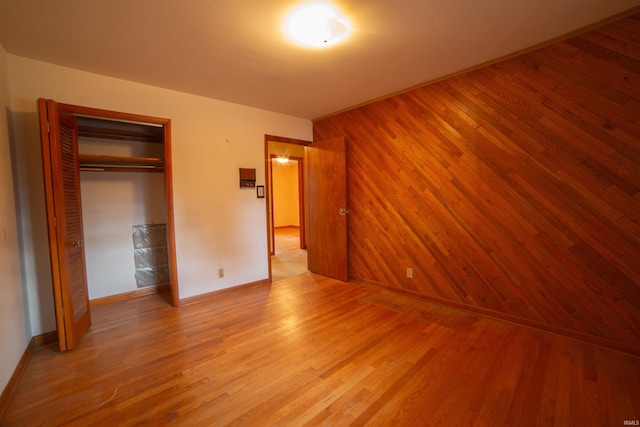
99, 160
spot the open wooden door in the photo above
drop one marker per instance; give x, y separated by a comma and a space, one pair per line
327, 243
58, 133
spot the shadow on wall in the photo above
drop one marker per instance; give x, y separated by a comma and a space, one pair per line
26, 161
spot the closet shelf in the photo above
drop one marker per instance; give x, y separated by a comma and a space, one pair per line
97, 162
130, 133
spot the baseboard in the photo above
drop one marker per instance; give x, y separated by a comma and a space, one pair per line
520, 321
46, 338
150, 290
11, 386
215, 294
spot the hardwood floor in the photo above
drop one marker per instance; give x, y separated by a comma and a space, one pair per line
286, 238
313, 351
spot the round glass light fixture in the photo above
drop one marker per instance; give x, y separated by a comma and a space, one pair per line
317, 25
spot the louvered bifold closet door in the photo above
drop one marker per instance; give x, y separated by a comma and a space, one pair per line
64, 212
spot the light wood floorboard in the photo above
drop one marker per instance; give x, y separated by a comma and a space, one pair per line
313, 351
287, 238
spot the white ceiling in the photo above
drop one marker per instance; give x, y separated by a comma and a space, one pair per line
236, 50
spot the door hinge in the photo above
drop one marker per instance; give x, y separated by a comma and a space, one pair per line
55, 222
48, 128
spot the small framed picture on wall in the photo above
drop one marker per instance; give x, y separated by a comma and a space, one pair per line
260, 191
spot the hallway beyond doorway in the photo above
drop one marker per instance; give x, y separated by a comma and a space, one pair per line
289, 260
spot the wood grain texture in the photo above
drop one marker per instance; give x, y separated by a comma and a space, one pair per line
155, 289
315, 351
16, 377
327, 249
512, 190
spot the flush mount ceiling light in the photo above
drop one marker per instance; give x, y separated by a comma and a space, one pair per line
317, 25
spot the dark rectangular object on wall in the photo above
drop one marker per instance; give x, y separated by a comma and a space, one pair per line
247, 178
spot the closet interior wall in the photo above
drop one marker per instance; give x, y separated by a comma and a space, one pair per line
122, 186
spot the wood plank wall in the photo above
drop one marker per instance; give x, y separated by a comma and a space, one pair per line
512, 190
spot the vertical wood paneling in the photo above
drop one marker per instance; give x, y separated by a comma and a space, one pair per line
512, 190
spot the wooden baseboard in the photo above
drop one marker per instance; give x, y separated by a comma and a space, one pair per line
215, 294
565, 333
46, 338
11, 386
129, 295
8, 391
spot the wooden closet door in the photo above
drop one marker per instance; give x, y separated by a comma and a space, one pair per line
59, 136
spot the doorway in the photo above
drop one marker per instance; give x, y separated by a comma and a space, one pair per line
286, 213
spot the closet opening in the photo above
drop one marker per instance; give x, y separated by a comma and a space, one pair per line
123, 208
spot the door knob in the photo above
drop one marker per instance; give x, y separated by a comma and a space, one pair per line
343, 211
77, 243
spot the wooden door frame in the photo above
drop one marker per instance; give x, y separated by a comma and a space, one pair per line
81, 111
269, 187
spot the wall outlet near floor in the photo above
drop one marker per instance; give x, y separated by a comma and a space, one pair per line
220, 273
410, 272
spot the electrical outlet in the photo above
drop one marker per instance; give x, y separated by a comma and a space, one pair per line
409, 272
220, 273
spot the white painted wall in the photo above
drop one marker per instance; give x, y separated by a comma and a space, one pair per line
112, 203
14, 334
217, 223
